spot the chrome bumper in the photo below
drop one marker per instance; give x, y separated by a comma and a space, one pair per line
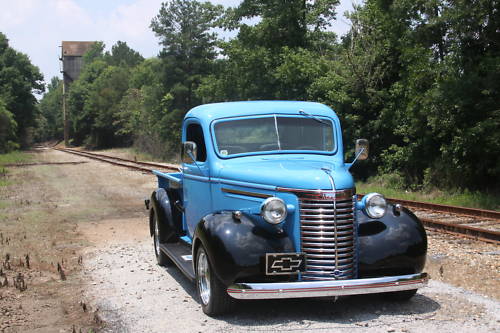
327, 288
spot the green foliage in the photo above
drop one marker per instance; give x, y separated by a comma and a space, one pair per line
14, 157
10, 158
122, 55
183, 27
393, 186
103, 106
407, 77
420, 79
278, 58
8, 127
50, 122
19, 79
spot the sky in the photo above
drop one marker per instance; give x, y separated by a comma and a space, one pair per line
37, 27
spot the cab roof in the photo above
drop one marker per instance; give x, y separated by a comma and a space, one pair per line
209, 112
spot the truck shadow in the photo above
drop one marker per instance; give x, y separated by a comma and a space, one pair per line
182, 280
344, 310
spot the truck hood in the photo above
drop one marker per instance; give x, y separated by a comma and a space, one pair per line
290, 173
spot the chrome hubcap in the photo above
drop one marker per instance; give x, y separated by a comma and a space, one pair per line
157, 237
203, 273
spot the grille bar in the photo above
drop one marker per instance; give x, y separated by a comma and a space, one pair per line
327, 234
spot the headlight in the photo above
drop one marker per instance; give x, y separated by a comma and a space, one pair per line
375, 205
273, 210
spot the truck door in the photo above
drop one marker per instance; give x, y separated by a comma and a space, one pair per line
196, 179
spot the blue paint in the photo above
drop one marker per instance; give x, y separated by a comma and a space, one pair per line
168, 180
209, 112
285, 170
260, 172
244, 184
187, 239
197, 192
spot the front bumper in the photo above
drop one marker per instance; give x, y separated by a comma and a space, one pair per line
327, 288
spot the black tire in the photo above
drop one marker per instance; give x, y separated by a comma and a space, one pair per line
214, 301
400, 296
158, 237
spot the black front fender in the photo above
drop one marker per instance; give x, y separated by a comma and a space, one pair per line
236, 248
393, 245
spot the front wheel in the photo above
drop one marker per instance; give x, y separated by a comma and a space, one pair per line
213, 295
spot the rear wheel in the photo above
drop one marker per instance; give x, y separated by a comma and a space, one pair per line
213, 295
161, 257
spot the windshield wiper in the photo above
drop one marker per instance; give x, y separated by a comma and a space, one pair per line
313, 117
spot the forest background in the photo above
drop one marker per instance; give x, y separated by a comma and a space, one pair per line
419, 79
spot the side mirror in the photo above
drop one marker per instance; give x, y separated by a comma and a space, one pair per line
362, 146
189, 152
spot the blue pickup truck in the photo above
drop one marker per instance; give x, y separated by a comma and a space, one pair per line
265, 207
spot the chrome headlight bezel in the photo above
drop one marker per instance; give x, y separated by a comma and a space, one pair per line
270, 205
375, 205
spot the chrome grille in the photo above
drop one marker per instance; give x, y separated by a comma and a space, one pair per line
327, 234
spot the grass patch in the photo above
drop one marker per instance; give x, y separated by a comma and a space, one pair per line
463, 198
11, 158
14, 157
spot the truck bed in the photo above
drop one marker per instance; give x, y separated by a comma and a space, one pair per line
167, 181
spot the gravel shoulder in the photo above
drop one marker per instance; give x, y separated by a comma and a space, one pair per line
136, 295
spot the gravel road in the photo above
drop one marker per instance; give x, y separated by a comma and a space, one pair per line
134, 294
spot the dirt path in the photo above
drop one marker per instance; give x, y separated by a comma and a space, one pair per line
90, 218
40, 213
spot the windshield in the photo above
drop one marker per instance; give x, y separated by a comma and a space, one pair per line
239, 136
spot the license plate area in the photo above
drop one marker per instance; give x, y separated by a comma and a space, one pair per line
285, 263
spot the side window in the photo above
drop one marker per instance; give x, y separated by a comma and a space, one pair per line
194, 133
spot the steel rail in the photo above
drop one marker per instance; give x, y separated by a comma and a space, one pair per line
472, 212
456, 210
485, 235
158, 165
108, 159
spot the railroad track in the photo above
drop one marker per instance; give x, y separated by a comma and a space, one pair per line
478, 224
134, 165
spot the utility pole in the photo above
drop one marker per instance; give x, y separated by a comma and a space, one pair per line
65, 116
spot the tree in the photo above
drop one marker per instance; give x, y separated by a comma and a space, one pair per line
81, 117
94, 98
184, 28
265, 60
8, 127
19, 79
283, 22
50, 106
122, 55
102, 106
419, 79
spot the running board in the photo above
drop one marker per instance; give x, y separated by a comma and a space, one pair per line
180, 254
